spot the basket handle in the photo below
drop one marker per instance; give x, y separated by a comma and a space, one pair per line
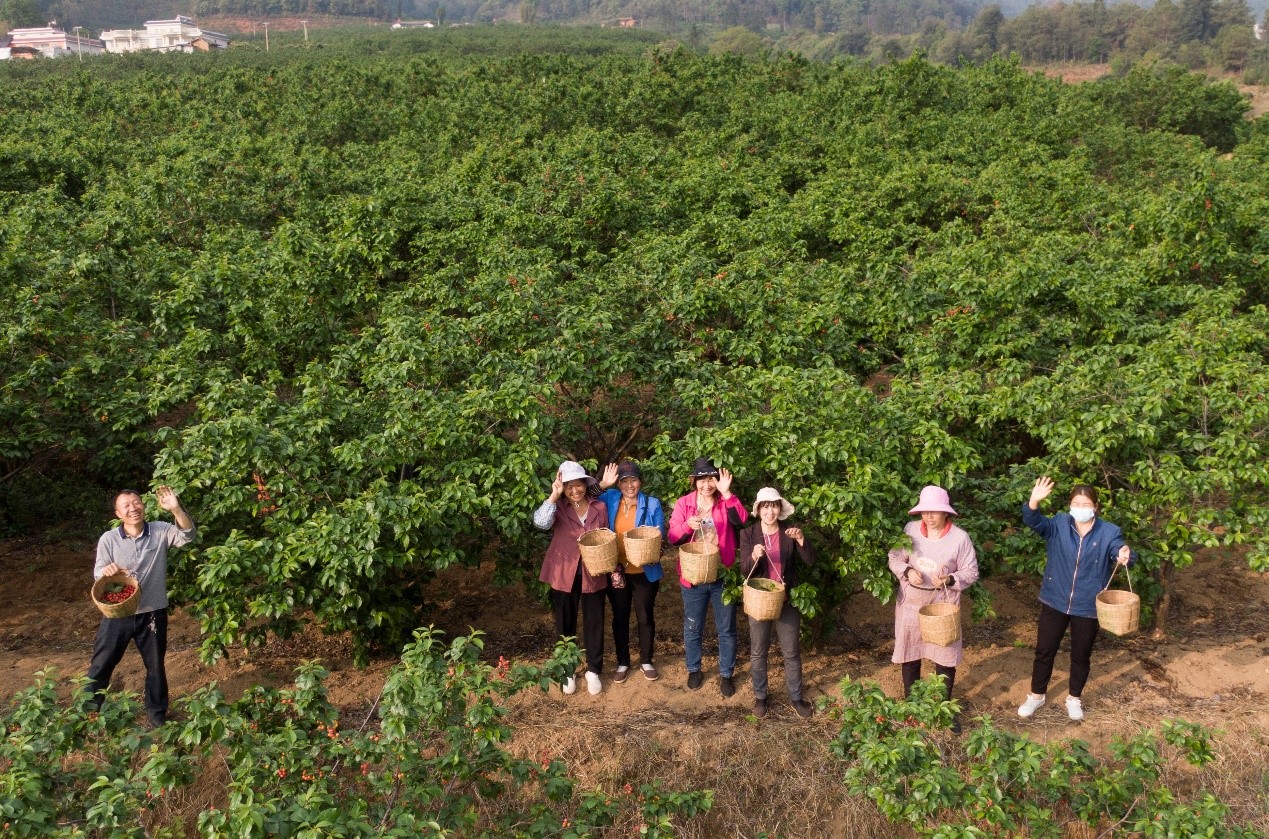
586, 532
755, 565
1115, 571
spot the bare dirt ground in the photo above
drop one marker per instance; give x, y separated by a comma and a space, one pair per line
1215, 671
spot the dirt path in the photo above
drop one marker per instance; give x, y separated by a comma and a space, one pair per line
1217, 662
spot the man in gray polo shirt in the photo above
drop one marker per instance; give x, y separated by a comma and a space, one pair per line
139, 547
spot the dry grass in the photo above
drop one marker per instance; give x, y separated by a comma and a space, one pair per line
774, 777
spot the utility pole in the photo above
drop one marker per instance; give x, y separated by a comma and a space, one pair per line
304, 23
79, 44
266, 36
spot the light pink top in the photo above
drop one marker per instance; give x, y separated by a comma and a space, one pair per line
952, 554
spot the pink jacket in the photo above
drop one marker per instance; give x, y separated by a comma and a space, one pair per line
728, 515
559, 567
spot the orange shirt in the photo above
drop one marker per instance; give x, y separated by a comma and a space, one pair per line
625, 521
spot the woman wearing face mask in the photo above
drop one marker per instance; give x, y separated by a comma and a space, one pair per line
1082, 552
767, 551
572, 588
939, 566
628, 508
709, 513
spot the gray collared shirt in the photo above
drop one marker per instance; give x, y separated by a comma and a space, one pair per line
145, 556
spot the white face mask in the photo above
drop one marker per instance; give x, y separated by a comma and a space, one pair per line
1083, 514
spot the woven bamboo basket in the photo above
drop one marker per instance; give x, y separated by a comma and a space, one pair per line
940, 623
763, 599
643, 545
699, 562
599, 551
125, 609
1118, 611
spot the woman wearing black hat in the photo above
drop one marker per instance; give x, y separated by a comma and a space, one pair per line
712, 514
629, 507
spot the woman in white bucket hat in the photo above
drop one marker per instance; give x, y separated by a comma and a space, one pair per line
775, 553
567, 513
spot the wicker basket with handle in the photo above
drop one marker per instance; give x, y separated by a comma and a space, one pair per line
1118, 611
643, 545
124, 608
599, 551
699, 562
940, 622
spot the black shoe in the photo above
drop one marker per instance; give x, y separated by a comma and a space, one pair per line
694, 680
760, 708
727, 686
805, 709
956, 724
152, 722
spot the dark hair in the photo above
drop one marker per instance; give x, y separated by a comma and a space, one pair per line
1088, 492
114, 499
779, 503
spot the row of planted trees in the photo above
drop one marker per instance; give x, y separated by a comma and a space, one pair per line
356, 308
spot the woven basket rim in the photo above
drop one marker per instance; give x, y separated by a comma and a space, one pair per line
763, 605
941, 625
701, 564
123, 609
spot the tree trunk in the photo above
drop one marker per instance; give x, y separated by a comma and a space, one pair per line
1164, 576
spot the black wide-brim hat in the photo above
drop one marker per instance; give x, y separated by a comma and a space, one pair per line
704, 468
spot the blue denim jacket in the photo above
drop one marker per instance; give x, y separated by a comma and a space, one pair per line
648, 513
1079, 567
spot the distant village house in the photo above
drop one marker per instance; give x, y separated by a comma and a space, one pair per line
50, 42
179, 34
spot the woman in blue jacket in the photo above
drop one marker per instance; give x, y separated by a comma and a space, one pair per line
629, 507
1082, 552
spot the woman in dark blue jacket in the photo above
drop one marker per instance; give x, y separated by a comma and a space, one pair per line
1082, 551
630, 507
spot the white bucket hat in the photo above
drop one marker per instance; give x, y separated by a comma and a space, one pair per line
571, 470
772, 494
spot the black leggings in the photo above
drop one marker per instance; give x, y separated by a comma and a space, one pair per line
567, 604
1049, 634
912, 672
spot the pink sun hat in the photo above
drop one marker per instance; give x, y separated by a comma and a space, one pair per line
933, 500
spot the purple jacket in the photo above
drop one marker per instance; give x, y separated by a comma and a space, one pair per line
559, 567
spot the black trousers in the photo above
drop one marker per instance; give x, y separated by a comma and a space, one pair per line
912, 671
148, 630
567, 604
640, 593
1052, 627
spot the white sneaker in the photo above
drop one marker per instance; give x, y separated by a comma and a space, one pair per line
1029, 707
593, 684
570, 685
1074, 708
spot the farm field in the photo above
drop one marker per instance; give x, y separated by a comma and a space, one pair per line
355, 304
1213, 671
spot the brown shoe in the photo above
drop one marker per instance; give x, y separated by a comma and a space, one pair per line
620, 675
650, 672
805, 709
760, 708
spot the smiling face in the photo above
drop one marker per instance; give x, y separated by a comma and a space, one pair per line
130, 509
629, 487
707, 485
769, 512
934, 521
575, 491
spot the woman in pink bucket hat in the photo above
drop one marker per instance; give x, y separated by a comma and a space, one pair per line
940, 565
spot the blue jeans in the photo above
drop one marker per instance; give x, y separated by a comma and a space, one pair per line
695, 601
